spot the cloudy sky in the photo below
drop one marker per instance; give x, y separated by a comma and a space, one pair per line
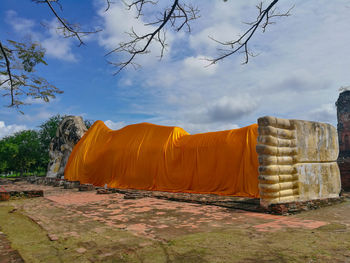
303, 61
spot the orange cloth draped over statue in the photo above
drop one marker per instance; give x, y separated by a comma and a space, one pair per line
160, 158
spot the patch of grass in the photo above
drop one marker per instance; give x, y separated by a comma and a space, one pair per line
28, 238
16, 175
32, 242
247, 245
103, 243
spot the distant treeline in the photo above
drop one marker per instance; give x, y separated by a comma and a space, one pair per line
27, 152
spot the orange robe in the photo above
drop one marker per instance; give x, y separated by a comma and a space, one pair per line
161, 158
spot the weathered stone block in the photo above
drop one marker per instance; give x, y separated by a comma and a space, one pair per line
71, 184
318, 180
86, 187
297, 161
316, 142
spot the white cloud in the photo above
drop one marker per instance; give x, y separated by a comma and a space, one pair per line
114, 125
202, 42
118, 22
56, 46
303, 61
6, 130
223, 110
197, 67
19, 24
194, 128
31, 101
296, 75
231, 108
324, 113
39, 114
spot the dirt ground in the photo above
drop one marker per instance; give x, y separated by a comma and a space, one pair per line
70, 226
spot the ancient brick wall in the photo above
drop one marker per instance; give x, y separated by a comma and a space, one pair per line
343, 114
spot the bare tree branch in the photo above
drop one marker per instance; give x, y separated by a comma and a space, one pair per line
138, 4
109, 2
139, 44
9, 73
241, 44
68, 29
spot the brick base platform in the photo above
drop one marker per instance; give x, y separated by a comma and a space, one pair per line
4, 196
242, 203
26, 194
86, 187
296, 207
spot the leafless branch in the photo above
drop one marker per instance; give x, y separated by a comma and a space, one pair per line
241, 44
9, 73
176, 16
109, 2
138, 5
68, 29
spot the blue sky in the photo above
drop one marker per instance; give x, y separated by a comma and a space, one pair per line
303, 61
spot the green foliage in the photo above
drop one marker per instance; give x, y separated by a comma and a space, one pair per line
21, 152
17, 79
28, 151
48, 130
88, 123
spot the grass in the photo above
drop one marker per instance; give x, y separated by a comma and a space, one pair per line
33, 244
16, 175
27, 237
234, 243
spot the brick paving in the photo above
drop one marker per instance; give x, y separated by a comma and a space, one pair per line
145, 216
148, 216
7, 254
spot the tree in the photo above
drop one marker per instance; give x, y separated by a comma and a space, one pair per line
17, 78
29, 150
21, 152
48, 131
18, 60
8, 151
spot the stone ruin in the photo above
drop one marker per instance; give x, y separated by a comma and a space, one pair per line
68, 133
343, 114
297, 163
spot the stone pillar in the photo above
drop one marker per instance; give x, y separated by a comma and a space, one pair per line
343, 114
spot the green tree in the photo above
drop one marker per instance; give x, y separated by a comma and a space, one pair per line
17, 73
21, 152
8, 151
28, 151
48, 130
